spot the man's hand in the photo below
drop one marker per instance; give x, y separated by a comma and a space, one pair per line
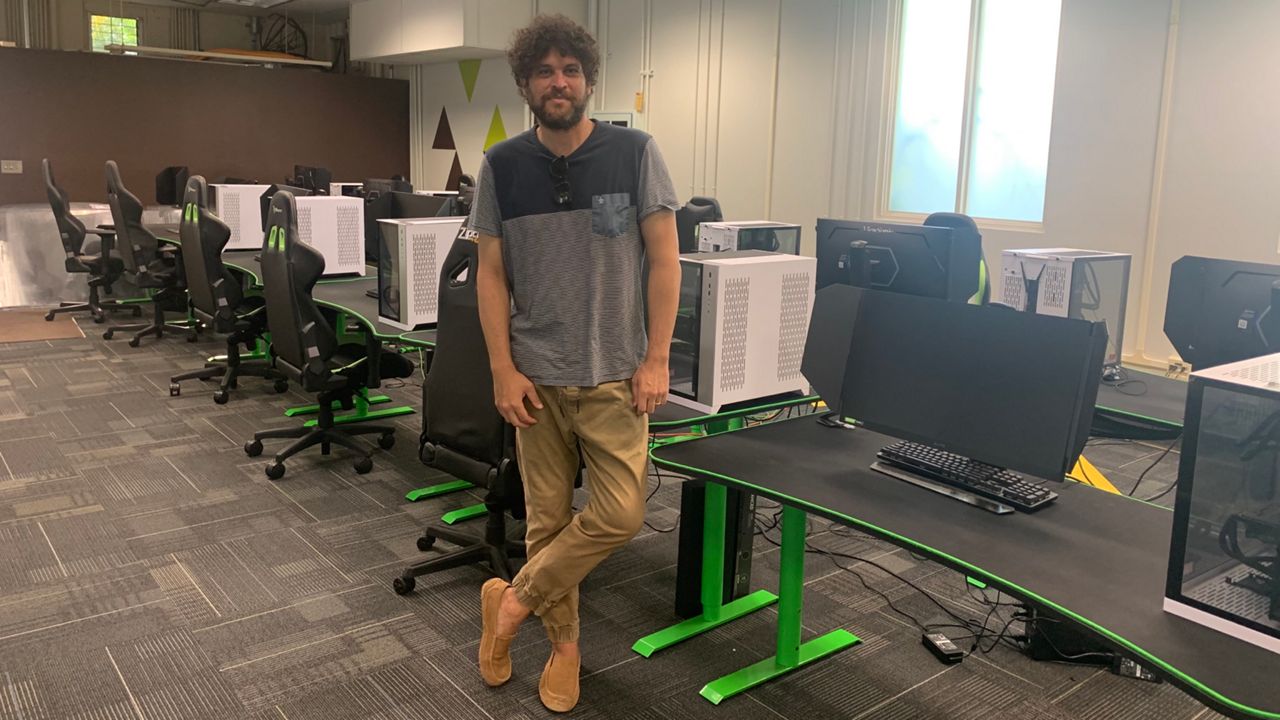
510, 389
649, 385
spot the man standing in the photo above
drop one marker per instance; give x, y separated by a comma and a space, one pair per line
567, 214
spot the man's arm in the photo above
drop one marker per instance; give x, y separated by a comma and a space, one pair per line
510, 387
650, 384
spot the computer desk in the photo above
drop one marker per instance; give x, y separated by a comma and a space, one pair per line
1142, 406
1066, 560
343, 295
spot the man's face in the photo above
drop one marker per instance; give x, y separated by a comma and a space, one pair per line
558, 92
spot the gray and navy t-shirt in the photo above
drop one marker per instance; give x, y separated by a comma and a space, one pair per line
575, 272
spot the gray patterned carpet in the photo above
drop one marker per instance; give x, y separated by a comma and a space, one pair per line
148, 569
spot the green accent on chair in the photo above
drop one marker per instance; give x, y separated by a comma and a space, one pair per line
470, 70
497, 131
982, 283
466, 513
437, 490
362, 413
313, 409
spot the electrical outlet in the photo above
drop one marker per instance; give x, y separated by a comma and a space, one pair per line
1178, 366
11, 167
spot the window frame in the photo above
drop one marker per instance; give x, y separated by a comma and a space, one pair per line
884, 178
90, 14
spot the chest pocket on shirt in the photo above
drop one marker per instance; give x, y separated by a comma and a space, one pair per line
610, 214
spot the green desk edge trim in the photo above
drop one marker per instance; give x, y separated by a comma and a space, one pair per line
1166, 423
991, 577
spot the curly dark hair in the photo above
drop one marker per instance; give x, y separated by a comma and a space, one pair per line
552, 32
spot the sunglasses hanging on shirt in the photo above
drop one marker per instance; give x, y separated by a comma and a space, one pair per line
560, 173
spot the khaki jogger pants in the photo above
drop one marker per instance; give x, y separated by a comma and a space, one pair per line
601, 423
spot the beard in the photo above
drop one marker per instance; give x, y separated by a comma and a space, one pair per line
563, 120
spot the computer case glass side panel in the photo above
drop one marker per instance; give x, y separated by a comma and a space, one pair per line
686, 340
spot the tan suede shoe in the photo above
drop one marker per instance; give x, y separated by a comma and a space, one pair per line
495, 656
558, 687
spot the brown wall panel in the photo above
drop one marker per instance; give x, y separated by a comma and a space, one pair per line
82, 109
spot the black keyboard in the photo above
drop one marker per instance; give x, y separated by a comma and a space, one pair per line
961, 472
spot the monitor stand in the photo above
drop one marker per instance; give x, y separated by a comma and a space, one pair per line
963, 496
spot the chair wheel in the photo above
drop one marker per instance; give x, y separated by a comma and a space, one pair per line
386, 441
99, 319
403, 585
426, 542
106, 334
280, 386
363, 465
253, 448
174, 389
135, 342
275, 471
221, 397
49, 316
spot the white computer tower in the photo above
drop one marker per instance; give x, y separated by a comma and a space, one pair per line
749, 235
350, 189
741, 327
1086, 284
335, 227
240, 207
410, 253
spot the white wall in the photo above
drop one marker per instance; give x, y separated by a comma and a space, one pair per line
1221, 178
436, 86
779, 108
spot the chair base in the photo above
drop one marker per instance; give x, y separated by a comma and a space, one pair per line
495, 550
96, 307
325, 436
156, 327
228, 370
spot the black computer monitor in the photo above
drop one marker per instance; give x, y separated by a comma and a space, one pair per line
1010, 389
315, 179
413, 205
1221, 311
265, 200
373, 186
922, 260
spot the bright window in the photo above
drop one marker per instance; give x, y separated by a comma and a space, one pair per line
106, 30
973, 108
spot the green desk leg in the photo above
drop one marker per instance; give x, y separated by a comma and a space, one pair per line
715, 612
792, 653
313, 409
466, 513
437, 490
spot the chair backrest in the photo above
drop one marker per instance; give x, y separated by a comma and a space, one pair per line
137, 246
964, 224
301, 339
460, 424
69, 226
698, 210
213, 289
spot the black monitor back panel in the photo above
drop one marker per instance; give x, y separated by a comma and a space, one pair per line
1011, 389
912, 259
1219, 311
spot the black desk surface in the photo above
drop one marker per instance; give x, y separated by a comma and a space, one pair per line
1145, 395
425, 338
1067, 558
